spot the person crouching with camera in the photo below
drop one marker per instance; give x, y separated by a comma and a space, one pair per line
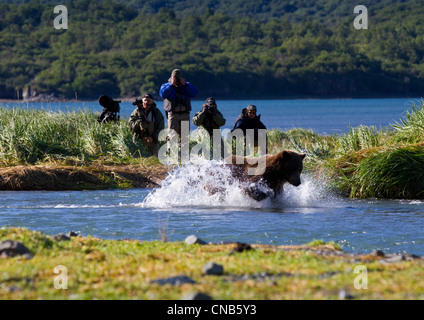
209, 118
146, 122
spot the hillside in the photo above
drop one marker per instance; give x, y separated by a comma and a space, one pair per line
323, 11
228, 49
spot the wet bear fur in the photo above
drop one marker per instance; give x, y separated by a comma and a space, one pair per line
285, 166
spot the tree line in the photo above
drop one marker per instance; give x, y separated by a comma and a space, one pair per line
121, 50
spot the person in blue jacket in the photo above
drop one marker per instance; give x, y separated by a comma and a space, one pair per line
177, 94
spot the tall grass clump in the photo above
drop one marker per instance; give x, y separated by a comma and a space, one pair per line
397, 173
386, 163
29, 136
411, 129
362, 137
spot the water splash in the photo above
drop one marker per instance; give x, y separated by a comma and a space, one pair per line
311, 193
201, 183
210, 184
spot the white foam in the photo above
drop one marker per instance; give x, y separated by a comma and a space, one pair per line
188, 185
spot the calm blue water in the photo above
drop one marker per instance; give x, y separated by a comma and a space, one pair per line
301, 215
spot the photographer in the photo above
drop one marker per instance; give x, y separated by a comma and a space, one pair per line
110, 111
209, 117
248, 119
146, 122
177, 93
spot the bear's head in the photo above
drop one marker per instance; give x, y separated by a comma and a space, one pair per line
291, 164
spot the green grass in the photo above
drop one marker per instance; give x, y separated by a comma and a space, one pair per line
32, 136
123, 269
367, 162
362, 137
397, 173
411, 130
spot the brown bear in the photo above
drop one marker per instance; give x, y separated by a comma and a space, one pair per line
268, 181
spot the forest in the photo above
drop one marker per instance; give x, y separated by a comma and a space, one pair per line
228, 49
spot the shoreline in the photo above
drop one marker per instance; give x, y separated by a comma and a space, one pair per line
52, 177
297, 97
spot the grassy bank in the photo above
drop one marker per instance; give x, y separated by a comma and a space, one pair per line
31, 136
130, 269
366, 162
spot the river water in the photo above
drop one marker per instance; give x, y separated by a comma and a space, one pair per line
183, 207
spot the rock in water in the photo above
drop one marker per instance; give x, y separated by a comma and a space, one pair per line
194, 240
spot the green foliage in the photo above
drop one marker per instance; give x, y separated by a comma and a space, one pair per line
395, 174
320, 242
104, 269
365, 162
294, 48
385, 164
411, 130
29, 136
362, 137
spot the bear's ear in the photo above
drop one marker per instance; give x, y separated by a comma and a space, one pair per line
286, 155
302, 155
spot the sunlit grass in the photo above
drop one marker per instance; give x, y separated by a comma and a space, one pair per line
31, 136
362, 137
411, 129
124, 269
367, 162
397, 173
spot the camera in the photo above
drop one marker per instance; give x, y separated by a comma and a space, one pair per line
178, 80
137, 101
110, 111
209, 108
110, 104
